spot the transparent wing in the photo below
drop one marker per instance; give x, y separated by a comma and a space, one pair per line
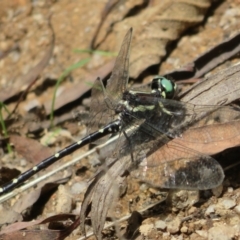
180, 168
175, 167
100, 113
118, 81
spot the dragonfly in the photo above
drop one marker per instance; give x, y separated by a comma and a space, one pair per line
153, 119
148, 120
103, 110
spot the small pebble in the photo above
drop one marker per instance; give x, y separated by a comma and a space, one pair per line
14, 56
161, 225
192, 210
199, 223
143, 187
210, 209
237, 209
77, 208
191, 227
145, 229
31, 104
23, 162
222, 232
228, 203
176, 238
180, 199
64, 200
234, 220
202, 233
217, 191
184, 229
174, 226
165, 235
79, 187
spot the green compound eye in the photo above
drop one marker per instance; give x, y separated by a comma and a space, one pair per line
164, 86
167, 85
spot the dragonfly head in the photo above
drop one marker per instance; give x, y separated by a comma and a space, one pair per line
165, 87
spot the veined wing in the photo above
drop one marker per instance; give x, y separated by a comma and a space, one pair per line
101, 113
178, 167
117, 83
175, 167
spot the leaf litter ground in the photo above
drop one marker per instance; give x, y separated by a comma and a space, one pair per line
209, 215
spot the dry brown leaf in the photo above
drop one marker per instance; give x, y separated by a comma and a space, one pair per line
103, 193
216, 89
30, 78
32, 234
21, 225
208, 60
161, 24
30, 149
27, 200
105, 196
15, 230
8, 215
155, 27
210, 139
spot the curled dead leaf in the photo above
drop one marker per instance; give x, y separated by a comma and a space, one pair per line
155, 27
